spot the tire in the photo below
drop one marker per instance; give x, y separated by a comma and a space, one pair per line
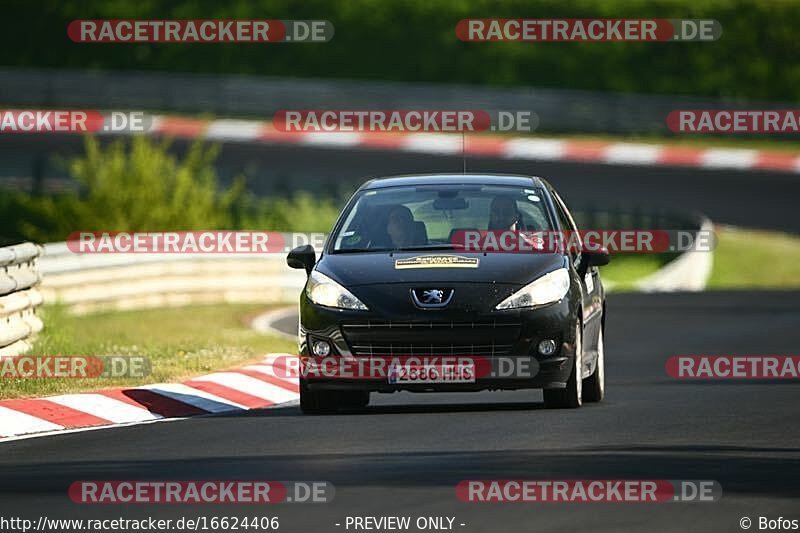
354, 399
324, 402
312, 402
570, 397
594, 387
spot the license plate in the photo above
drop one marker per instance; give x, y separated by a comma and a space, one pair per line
462, 373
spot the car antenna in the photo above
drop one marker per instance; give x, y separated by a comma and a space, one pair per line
464, 150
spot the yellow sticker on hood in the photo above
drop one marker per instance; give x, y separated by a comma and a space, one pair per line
437, 261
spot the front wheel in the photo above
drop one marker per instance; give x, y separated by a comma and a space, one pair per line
571, 396
594, 387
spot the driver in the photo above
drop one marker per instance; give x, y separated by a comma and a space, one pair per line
400, 226
504, 215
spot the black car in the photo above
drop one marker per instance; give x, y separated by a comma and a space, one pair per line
402, 299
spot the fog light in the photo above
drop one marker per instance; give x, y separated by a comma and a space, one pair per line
547, 347
321, 348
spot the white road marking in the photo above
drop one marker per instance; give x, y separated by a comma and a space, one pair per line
535, 149
728, 158
236, 130
251, 386
201, 399
287, 375
16, 422
105, 407
632, 154
331, 138
433, 143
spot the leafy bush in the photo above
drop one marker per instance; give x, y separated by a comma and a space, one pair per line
140, 186
302, 212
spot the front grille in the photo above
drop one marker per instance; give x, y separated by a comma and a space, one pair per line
420, 339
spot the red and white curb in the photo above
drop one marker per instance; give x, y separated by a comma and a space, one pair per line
484, 145
249, 387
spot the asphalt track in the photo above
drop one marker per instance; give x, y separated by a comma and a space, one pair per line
406, 453
754, 199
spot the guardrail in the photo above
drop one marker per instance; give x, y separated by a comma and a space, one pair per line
19, 297
591, 217
688, 272
97, 282
559, 110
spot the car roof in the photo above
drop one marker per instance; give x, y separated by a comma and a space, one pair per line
453, 179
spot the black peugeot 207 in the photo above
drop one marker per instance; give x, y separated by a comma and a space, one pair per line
422, 273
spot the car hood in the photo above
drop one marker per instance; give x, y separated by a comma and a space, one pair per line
353, 270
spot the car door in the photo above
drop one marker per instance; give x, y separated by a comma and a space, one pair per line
591, 290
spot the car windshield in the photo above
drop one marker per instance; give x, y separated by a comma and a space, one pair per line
428, 217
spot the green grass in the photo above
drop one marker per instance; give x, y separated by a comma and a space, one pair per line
625, 269
745, 259
180, 343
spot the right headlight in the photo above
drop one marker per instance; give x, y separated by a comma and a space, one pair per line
322, 290
547, 289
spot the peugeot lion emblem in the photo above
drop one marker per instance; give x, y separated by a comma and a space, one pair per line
431, 298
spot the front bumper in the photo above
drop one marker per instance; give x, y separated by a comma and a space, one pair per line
506, 341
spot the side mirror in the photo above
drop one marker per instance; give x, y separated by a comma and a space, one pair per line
302, 257
597, 258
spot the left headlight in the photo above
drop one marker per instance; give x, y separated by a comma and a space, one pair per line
322, 290
548, 289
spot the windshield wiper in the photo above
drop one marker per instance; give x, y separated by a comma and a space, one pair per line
421, 247
429, 247
360, 250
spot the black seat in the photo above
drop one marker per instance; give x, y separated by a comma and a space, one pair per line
420, 237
